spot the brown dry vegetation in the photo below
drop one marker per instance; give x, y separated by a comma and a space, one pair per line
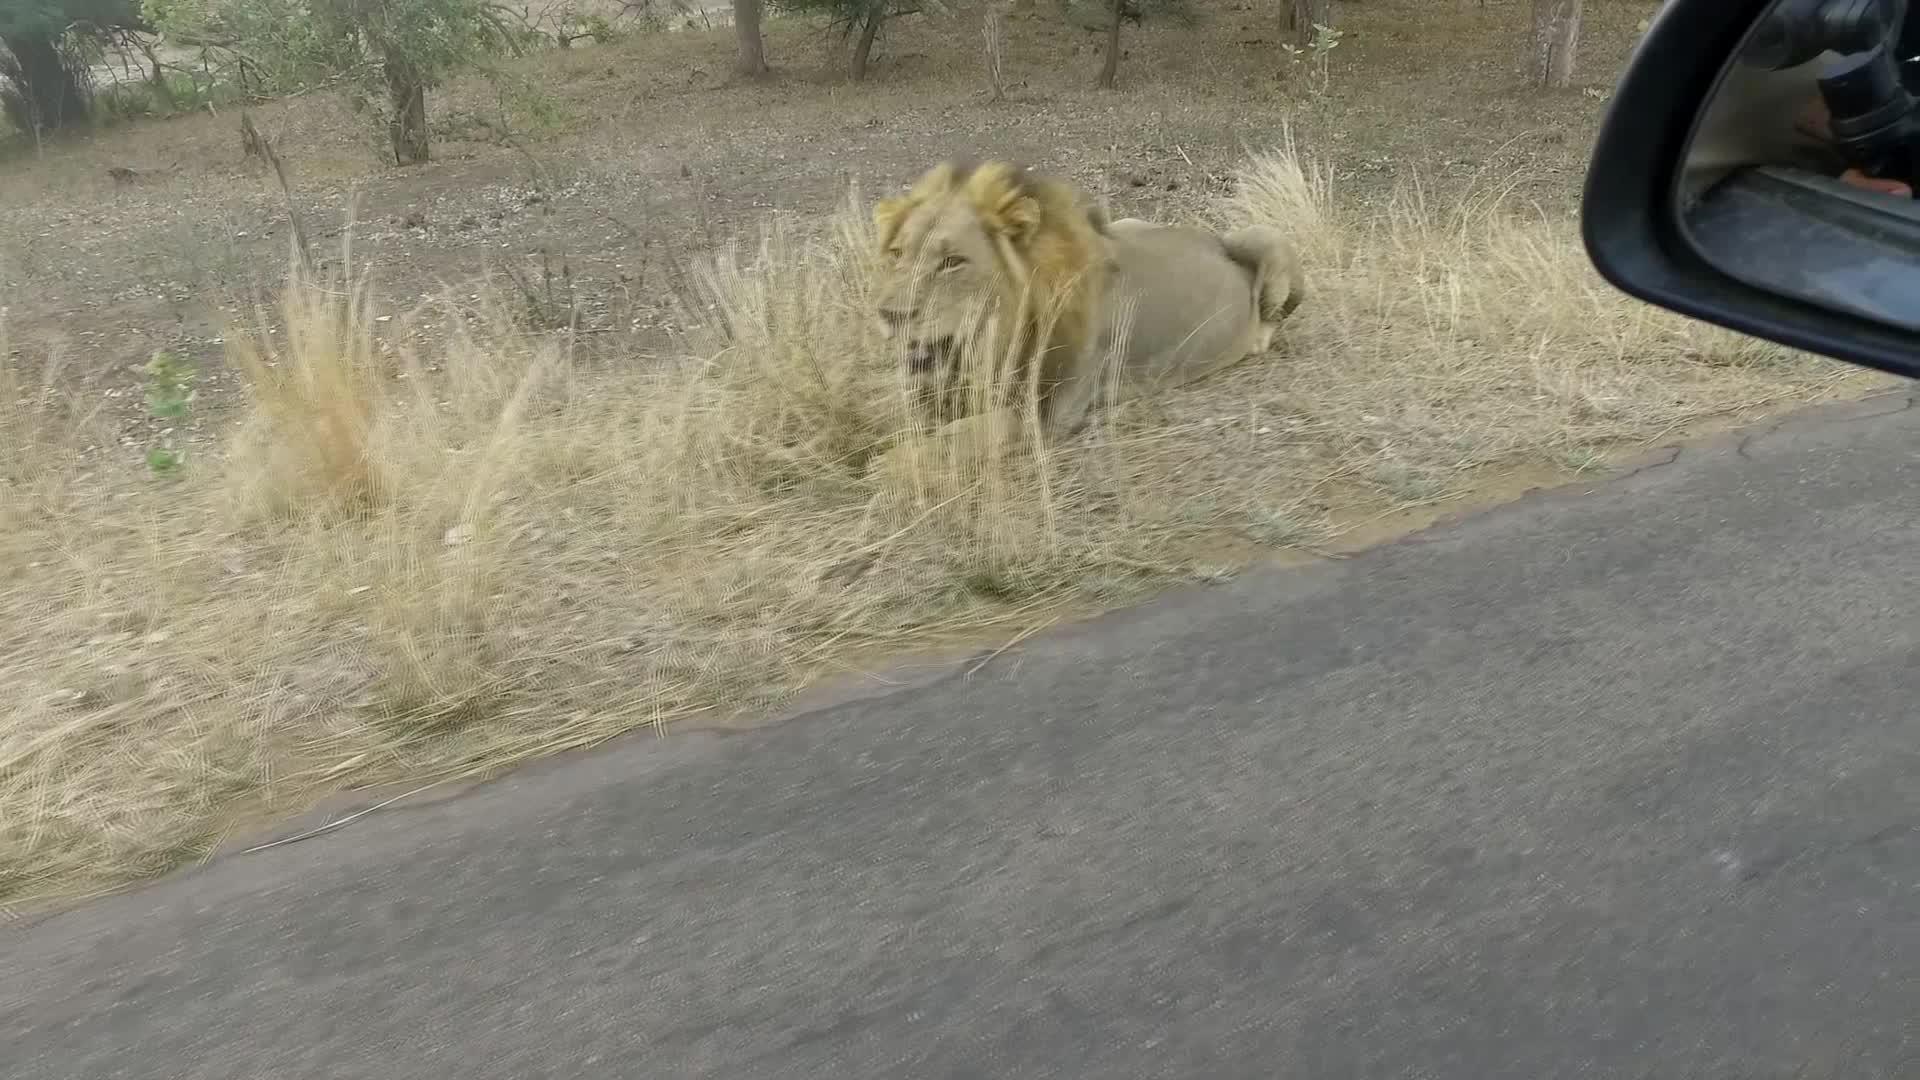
420, 540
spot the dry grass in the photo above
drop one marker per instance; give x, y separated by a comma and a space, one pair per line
419, 563
1450, 337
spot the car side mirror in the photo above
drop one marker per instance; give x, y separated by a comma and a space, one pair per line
1715, 186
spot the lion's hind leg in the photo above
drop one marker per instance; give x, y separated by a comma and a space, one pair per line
1276, 265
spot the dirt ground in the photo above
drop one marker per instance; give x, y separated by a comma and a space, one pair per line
593, 175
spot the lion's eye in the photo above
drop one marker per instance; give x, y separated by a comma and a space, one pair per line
953, 262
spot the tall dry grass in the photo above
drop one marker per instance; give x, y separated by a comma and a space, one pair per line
435, 545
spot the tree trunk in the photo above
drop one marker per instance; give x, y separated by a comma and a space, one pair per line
863, 48
53, 94
407, 105
993, 29
1303, 14
751, 52
157, 76
1556, 32
1110, 67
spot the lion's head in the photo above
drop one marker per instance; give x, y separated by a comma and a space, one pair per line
985, 254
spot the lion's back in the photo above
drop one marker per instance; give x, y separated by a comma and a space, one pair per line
1183, 297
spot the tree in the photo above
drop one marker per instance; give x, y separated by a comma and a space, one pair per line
1110, 60
406, 106
1117, 12
846, 16
751, 59
993, 32
870, 20
47, 85
1301, 16
387, 53
406, 47
1556, 33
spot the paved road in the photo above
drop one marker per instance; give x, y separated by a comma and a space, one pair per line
1622, 785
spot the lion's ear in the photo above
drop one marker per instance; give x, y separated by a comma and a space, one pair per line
887, 216
1000, 194
1020, 219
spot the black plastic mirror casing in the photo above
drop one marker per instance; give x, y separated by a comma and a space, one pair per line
1628, 216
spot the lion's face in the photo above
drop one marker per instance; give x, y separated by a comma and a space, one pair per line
955, 252
986, 262
940, 278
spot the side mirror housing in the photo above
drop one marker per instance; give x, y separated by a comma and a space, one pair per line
1715, 186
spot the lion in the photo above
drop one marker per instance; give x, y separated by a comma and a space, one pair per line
1072, 309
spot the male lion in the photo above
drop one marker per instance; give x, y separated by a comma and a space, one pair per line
1069, 307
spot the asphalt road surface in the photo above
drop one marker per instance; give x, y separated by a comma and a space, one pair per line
1616, 783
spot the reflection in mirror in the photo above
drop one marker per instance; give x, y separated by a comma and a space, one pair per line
1800, 174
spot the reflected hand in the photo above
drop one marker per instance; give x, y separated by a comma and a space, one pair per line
1814, 121
1856, 178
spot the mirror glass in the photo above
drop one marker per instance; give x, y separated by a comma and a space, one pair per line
1800, 173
